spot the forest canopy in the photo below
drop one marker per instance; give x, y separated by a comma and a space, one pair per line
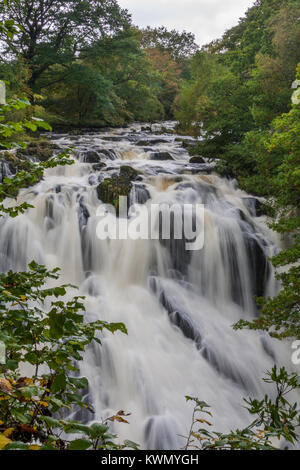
84, 63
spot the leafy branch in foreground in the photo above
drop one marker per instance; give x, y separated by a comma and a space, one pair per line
10, 187
49, 341
276, 419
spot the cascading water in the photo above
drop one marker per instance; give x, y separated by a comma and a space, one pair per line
178, 306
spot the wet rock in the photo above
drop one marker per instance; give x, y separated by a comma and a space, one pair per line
91, 157
197, 159
224, 367
178, 317
83, 214
256, 207
99, 166
42, 150
268, 347
111, 189
11, 164
141, 194
128, 173
160, 156
145, 143
93, 180
182, 321
113, 138
259, 264
110, 153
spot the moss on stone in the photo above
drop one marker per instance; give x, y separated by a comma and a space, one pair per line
42, 149
112, 188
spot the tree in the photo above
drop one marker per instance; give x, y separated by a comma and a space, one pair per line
240, 83
274, 73
214, 104
180, 46
169, 77
55, 32
112, 83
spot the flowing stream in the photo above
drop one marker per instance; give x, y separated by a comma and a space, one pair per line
178, 306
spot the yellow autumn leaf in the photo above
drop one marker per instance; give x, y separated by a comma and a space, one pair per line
44, 404
8, 432
204, 421
23, 297
4, 441
5, 386
6, 292
34, 447
117, 418
196, 435
28, 381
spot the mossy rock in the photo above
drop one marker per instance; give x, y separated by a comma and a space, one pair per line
98, 166
40, 149
91, 157
14, 162
128, 173
161, 156
111, 189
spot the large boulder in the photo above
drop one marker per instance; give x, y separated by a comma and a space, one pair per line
111, 189
91, 157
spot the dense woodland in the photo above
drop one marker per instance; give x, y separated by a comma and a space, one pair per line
84, 64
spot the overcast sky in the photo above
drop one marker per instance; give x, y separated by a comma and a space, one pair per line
207, 19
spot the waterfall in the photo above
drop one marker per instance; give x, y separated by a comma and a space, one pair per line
178, 306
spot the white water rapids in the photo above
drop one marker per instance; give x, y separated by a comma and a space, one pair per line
178, 306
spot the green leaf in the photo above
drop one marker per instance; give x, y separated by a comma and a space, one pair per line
17, 445
59, 383
80, 382
80, 444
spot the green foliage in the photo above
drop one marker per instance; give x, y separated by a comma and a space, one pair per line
10, 133
180, 45
275, 419
112, 83
91, 71
9, 129
54, 32
241, 82
277, 174
49, 335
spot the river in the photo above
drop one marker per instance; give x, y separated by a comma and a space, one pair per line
178, 305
